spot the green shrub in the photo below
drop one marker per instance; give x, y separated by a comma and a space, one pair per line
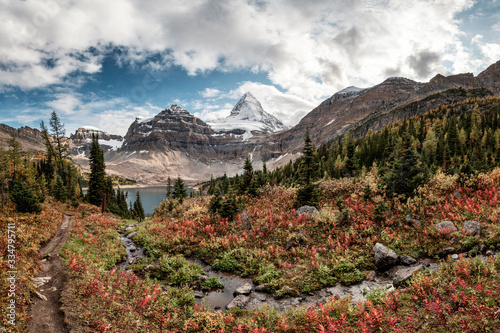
25, 199
212, 282
177, 270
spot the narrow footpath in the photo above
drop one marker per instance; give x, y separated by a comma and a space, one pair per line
46, 314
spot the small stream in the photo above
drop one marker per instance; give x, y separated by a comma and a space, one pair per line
221, 299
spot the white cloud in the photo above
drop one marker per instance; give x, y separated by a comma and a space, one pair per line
66, 104
210, 92
310, 49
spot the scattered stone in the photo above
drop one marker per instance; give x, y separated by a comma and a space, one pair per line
411, 221
407, 260
246, 289
490, 253
52, 289
239, 301
245, 219
447, 251
131, 261
402, 274
262, 287
384, 256
453, 241
371, 276
132, 249
40, 296
217, 308
482, 248
472, 228
464, 255
203, 277
446, 228
454, 256
287, 291
309, 211
132, 234
198, 294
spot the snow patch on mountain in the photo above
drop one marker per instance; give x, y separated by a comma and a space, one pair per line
248, 115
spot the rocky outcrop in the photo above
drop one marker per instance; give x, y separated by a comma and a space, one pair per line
384, 256
30, 139
446, 228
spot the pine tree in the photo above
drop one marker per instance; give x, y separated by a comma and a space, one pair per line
406, 172
247, 175
179, 190
308, 162
308, 193
169, 188
97, 179
138, 210
58, 132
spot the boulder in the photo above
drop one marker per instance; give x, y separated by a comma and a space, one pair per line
449, 250
472, 228
384, 257
402, 274
239, 301
407, 260
309, 211
245, 289
446, 228
245, 220
198, 294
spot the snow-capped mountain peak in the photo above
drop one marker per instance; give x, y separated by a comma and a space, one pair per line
248, 115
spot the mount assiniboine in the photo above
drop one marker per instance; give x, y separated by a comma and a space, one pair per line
246, 117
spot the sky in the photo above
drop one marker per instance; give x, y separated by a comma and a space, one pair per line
104, 63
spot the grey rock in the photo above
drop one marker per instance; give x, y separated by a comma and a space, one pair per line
245, 219
472, 228
454, 256
132, 249
239, 301
261, 287
411, 221
402, 274
482, 248
407, 260
132, 234
371, 276
449, 250
199, 294
490, 253
384, 257
446, 228
309, 211
245, 289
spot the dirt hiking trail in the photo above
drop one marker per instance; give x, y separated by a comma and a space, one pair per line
46, 314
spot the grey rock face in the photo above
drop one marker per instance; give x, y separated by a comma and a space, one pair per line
402, 274
472, 228
446, 228
246, 289
309, 211
239, 301
384, 257
407, 260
